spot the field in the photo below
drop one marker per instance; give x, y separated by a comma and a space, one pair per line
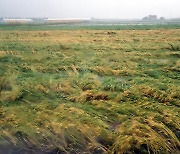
88, 26
89, 91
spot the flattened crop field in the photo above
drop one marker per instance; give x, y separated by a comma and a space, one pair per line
89, 91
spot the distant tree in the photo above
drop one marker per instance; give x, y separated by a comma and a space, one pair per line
150, 18
153, 17
145, 18
161, 18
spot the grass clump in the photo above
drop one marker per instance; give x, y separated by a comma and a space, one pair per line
114, 84
9, 90
174, 47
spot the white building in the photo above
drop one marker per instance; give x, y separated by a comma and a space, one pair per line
17, 21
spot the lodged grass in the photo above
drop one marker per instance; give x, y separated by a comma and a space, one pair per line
89, 91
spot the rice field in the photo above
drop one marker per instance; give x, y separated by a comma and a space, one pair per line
90, 91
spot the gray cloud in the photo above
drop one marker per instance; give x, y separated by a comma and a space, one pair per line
89, 8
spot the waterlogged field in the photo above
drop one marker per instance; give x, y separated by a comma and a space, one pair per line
90, 91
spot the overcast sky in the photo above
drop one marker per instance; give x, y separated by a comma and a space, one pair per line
89, 8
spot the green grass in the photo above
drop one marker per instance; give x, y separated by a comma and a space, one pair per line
93, 91
87, 27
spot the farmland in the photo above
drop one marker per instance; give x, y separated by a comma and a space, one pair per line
89, 90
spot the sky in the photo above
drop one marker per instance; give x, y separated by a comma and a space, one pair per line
121, 9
